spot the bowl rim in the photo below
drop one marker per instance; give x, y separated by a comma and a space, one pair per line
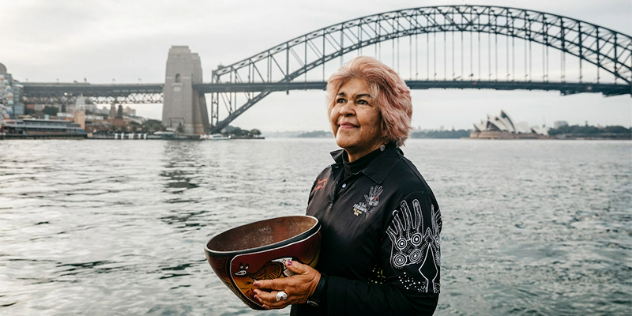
233, 258
307, 233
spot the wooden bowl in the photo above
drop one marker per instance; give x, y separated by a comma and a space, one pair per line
258, 251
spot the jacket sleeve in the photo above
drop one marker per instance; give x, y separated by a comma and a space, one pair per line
410, 259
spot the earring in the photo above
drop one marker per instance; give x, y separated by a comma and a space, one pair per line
382, 147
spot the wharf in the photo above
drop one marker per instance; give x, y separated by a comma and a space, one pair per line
42, 136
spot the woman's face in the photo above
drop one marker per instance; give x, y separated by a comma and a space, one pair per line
355, 119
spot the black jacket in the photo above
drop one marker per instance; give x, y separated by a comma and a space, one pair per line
380, 229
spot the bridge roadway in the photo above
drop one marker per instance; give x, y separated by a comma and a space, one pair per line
147, 92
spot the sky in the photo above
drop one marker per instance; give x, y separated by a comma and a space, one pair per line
128, 41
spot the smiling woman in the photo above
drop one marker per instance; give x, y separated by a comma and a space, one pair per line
381, 223
355, 119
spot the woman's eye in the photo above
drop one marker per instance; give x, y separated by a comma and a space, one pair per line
363, 102
340, 100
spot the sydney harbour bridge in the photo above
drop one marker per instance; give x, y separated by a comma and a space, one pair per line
439, 47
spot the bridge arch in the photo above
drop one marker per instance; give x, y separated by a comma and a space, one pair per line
608, 50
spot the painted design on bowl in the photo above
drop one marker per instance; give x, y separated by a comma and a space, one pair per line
258, 251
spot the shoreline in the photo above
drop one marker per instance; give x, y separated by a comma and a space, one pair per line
86, 137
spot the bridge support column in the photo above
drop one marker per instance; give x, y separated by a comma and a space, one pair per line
184, 108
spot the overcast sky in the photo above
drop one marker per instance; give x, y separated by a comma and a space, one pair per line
128, 41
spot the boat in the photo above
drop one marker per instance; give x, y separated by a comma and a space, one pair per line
162, 135
214, 137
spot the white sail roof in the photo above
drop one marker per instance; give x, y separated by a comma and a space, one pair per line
509, 122
500, 124
540, 130
480, 126
523, 128
504, 123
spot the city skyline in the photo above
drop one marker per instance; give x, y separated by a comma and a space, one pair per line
132, 48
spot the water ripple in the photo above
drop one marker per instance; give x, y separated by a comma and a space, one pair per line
117, 227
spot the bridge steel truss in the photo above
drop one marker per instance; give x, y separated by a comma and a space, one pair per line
608, 50
67, 93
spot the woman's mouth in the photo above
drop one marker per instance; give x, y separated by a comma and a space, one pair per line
346, 125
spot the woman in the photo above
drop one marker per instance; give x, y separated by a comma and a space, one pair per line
380, 220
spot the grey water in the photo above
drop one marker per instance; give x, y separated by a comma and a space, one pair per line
115, 227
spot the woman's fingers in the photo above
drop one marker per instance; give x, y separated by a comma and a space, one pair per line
297, 287
273, 284
268, 299
297, 267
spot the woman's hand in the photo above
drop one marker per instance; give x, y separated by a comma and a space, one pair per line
298, 287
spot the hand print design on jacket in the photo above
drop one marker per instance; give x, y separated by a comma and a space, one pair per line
374, 195
411, 245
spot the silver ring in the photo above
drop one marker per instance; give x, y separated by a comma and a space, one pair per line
281, 296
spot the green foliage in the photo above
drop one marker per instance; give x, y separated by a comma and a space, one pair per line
153, 126
238, 132
255, 132
317, 134
441, 134
50, 110
592, 131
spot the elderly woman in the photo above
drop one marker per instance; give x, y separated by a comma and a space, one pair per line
380, 220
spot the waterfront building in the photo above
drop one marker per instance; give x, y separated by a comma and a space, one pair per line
34, 127
80, 118
503, 127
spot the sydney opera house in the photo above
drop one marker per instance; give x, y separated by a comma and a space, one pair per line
503, 127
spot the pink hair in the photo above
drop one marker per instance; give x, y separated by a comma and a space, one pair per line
389, 92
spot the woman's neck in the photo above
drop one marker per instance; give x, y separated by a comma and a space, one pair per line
353, 155
352, 167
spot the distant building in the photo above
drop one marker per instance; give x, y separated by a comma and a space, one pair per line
120, 122
80, 118
129, 111
10, 91
42, 127
558, 124
503, 127
112, 111
79, 105
103, 110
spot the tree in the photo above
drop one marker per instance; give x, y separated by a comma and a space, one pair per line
50, 110
255, 132
591, 131
153, 126
237, 131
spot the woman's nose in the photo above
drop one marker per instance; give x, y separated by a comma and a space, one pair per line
346, 109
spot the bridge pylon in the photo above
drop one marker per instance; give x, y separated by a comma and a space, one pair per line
184, 108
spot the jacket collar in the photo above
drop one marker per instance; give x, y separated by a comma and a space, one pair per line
380, 167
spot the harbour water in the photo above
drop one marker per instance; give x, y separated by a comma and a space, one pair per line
118, 227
